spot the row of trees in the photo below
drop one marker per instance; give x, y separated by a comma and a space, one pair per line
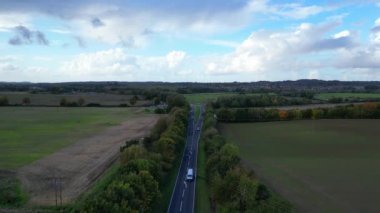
233, 188
351, 100
143, 168
64, 102
241, 101
359, 111
4, 101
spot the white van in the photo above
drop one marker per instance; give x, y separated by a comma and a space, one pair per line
190, 175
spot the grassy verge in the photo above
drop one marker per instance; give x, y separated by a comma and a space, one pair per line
11, 193
202, 193
197, 112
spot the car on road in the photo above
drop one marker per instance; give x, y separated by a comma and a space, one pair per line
198, 128
190, 175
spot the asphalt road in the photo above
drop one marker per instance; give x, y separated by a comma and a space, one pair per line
183, 196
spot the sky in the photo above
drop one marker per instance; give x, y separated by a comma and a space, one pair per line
189, 41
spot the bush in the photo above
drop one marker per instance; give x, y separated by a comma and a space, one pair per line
11, 193
3, 101
93, 105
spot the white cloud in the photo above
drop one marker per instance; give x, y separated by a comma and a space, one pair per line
116, 64
174, 58
377, 22
363, 58
131, 23
9, 20
111, 62
223, 43
289, 50
342, 34
375, 33
294, 10
8, 67
7, 58
297, 11
60, 31
314, 74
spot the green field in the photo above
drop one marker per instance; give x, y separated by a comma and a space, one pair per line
327, 96
319, 166
46, 99
198, 98
30, 133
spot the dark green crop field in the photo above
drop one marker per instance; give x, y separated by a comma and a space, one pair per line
318, 165
327, 96
30, 133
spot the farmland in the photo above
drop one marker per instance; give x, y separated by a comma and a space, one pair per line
327, 96
30, 133
319, 166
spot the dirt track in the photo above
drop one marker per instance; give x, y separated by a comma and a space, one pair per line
78, 165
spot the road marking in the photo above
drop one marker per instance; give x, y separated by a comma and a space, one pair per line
183, 193
184, 182
180, 208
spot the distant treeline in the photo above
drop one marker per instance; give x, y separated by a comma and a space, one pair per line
189, 87
154, 97
144, 166
360, 111
264, 100
232, 187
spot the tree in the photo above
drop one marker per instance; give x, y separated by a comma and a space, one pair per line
81, 101
63, 102
229, 158
237, 191
316, 114
149, 193
226, 114
307, 113
133, 100
215, 144
133, 152
167, 148
159, 128
156, 101
247, 192
176, 101
283, 114
137, 165
3, 101
26, 101
221, 162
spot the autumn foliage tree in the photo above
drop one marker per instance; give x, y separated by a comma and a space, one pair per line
283, 115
